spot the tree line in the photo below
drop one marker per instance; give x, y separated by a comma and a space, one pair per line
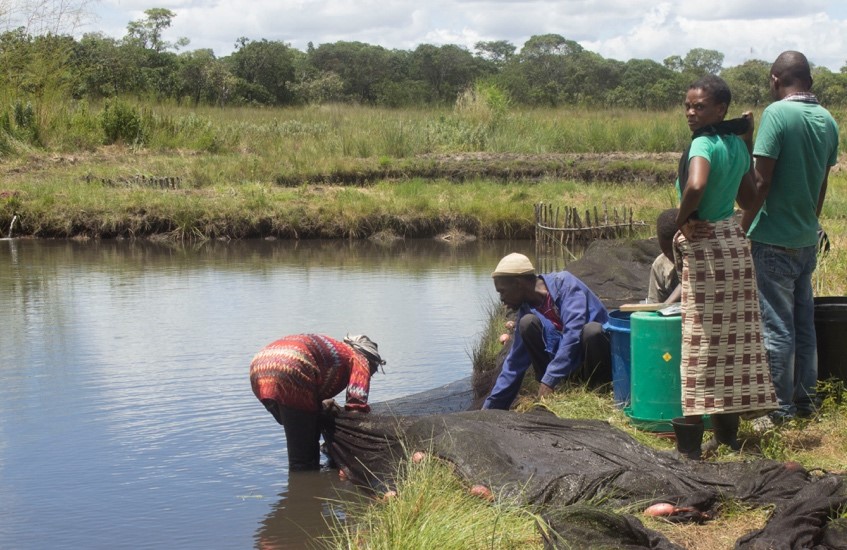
548, 70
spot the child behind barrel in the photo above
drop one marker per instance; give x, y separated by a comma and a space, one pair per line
664, 280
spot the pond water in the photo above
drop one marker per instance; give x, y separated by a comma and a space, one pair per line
126, 415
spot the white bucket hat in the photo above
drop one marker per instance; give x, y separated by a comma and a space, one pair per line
513, 265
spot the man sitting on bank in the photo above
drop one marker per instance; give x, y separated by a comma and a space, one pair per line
558, 330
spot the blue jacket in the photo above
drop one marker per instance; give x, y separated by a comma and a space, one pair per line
577, 305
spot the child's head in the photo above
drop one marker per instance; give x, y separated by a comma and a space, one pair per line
665, 230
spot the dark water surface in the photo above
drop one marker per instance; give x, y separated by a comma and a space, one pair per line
126, 416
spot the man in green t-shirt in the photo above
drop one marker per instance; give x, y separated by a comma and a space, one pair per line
796, 145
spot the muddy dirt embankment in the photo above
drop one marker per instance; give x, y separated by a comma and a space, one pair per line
656, 168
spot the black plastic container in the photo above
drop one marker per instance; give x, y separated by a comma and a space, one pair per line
831, 329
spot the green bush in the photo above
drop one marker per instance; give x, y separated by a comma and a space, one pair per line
484, 102
122, 122
24, 115
25, 123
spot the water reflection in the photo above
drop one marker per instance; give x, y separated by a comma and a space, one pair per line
126, 416
304, 511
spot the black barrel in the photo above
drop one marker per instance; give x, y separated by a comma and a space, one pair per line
831, 329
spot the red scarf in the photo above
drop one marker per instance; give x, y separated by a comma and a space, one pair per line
549, 310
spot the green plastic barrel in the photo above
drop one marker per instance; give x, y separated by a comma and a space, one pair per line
655, 393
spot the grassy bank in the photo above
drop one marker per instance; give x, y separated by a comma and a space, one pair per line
130, 170
76, 170
407, 208
48, 205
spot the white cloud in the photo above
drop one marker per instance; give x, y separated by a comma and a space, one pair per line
618, 29
662, 33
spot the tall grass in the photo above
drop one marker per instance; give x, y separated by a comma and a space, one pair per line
475, 124
316, 136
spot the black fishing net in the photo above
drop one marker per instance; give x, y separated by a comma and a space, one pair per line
617, 271
587, 478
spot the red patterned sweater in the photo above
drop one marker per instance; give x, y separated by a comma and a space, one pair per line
302, 370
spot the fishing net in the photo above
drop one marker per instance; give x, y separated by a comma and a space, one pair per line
589, 479
617, 272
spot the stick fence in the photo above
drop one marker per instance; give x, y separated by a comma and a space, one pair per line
559, 231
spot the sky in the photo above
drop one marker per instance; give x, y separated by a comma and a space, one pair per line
615, 29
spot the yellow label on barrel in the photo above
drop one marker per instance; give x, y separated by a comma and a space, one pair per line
667, 356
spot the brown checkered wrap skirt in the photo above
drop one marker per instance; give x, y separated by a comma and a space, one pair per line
724, 365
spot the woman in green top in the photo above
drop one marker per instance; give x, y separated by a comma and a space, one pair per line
723, 366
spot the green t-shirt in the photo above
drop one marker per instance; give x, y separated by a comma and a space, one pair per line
803, 138
728, 159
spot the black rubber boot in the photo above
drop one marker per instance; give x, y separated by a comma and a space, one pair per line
725, 433
689, 438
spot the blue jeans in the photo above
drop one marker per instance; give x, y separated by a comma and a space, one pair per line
784, 280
